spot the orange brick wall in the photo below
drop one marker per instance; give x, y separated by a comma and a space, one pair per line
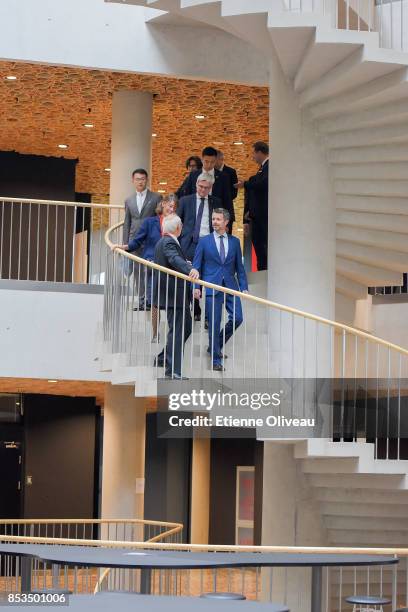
48, 105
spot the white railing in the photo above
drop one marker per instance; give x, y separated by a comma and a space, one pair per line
387, 17
271, 341
54, 241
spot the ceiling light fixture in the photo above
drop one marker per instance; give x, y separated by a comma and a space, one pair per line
238, 143
11, 77
63, 146
161, 191
200, 116
52, 380
88, 125
154, 135
107, 169
163, 183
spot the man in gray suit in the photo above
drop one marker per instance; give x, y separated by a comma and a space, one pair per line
141, 204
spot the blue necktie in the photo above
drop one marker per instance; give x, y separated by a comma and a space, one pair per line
199, 219
222, 249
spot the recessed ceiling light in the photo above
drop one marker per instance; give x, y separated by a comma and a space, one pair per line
11, 77
107, 169
238, 143
240, 229
63, 146
200, 116
161, 191
52, 381
163, 183
154, 135
88, 125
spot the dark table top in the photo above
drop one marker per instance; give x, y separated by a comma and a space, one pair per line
88, 556
134, 602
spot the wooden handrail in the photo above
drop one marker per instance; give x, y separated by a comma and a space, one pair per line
86, 522
339, 327
307, 550
61, 203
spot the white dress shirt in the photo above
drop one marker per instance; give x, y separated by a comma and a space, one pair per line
218, 242
264, 162
205, 221
140, 199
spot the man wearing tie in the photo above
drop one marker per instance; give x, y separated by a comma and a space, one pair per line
256, 204
221, 185
195, 211
218, 260
139, 206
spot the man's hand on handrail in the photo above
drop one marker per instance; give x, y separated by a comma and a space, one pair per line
194, 274
123, 247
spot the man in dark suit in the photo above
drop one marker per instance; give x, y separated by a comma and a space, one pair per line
218, 260
171, 293
195, 211
231, 174
139, 206
256, 204
221, 188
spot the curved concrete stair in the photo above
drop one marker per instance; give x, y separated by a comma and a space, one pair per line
356, 94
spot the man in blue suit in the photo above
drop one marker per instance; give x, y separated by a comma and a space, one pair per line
218, 260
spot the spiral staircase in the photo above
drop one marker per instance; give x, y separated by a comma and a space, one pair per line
355, 94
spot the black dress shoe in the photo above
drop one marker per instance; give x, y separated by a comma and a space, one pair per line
158, 362
197, 317
217, 367
175, 376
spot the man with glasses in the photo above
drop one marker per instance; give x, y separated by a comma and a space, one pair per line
139, 206
195, 211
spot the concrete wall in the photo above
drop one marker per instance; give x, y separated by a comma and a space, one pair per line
96, 34
49, 333
389, 318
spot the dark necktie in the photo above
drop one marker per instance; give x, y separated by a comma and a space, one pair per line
199, 219
222, 249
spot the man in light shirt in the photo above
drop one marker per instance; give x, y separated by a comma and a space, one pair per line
218, 260
139, 206
221, 186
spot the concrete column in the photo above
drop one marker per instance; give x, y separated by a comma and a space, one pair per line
302, 239
290, 517
123, 453
301, 255
131, 147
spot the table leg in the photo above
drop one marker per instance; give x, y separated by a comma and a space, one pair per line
26, 571
317, 581
145, 581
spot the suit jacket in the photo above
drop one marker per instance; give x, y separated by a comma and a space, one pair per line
187, 211
169, 254
229, 274
221, 189
181, 191
256, 195
147, 237
133, 219
233, 179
